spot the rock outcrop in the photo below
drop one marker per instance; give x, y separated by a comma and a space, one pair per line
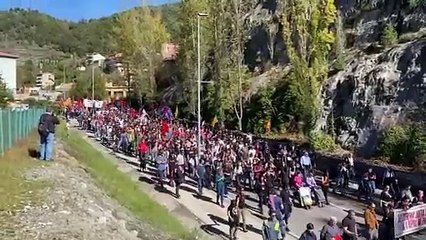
378, 87
373, 92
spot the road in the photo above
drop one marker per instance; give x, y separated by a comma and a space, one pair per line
212, 218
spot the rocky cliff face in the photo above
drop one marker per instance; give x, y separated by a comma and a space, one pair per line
378, 87
373, 92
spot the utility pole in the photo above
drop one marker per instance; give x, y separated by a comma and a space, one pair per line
128, 77
93, 82
63, 84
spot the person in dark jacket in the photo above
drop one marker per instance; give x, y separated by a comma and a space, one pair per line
179, 176
46, 129
309, 233
271, 228
288, 206
200, 172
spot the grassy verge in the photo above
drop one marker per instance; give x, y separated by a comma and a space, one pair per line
120, 187
15, 191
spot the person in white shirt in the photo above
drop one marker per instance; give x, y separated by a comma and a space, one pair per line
305, 162
238, 172
180, 160
68, 129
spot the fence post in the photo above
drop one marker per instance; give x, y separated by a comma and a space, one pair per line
20, 124
33, 113
2, 137
9, 127
26, 123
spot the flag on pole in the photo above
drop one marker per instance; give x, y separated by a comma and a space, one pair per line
176, 112
214, 121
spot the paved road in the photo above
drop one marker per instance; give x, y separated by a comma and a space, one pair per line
212, 218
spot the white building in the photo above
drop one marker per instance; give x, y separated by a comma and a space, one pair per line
8, 70
96, 58
45, 80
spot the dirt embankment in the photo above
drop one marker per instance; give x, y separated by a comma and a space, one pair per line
75, 208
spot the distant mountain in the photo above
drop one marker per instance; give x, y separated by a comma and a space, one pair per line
23, 28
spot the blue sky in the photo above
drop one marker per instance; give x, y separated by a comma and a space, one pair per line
75, 10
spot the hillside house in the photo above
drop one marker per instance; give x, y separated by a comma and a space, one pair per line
8, 70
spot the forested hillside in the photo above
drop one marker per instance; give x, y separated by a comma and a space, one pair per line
32, 28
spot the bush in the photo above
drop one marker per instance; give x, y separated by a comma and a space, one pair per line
32, 102
321, 141
404, 145
417, 3
389, 36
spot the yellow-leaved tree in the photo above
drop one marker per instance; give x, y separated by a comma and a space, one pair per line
140, 35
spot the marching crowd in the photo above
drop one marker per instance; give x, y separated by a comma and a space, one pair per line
281, 175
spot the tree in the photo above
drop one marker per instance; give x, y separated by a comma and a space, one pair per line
140, 36
339, 44
309, 40
26, 74
83, 85
217, 62
238, 38
5, 94
187, 58
389, 36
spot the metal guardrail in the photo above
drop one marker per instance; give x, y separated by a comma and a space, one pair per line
16, 124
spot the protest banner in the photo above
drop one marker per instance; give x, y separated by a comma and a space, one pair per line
410, 220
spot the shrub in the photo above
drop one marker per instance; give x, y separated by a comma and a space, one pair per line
404, 145
389, 36
417, 3
321, 141
32, 102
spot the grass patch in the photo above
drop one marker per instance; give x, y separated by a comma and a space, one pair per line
15, 191
120, 187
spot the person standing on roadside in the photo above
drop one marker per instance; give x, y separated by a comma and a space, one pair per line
306, 163
325, 185
371, 222
371, 183
46, 130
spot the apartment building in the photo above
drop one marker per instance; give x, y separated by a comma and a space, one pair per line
45, 80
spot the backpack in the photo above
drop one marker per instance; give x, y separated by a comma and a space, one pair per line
42, 127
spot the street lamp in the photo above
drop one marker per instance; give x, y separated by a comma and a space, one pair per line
93, 82
199, 15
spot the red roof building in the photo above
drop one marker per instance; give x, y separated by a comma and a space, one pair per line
7, 55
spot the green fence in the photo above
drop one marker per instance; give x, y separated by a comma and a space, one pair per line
16, 124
